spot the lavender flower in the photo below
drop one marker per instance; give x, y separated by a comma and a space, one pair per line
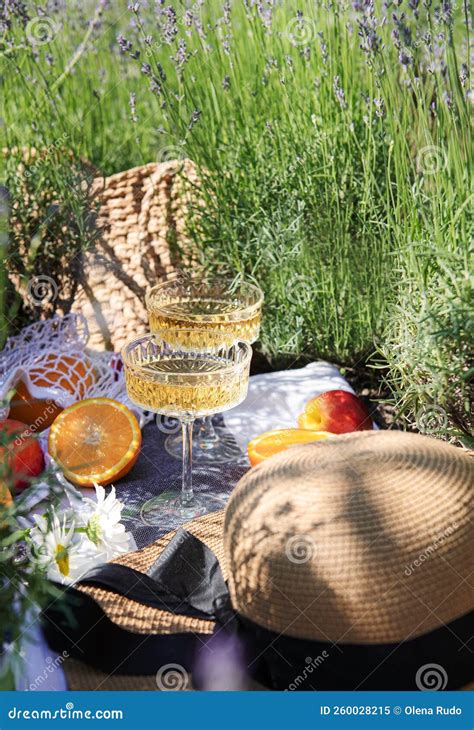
306, 53
226, 18
194, 118
380, 109
404, 58
339, 92
447, 99
155, 87
226, 83
13, 9
266, 14
161, 71
447, 11
125, 46
181, 56
188, 18
324, 48
367, 24
170, 28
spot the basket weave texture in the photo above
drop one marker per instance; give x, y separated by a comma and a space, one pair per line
141, 211
141, 619
366, 538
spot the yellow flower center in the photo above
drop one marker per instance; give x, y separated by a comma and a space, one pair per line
62, 559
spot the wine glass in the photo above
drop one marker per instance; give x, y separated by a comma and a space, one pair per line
219, 305
185, 374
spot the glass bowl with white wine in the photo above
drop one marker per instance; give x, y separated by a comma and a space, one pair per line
199, 309
172, 379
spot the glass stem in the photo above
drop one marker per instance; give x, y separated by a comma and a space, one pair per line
207, 434
187, 484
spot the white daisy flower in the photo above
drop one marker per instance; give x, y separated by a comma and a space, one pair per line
54, 549
101, 521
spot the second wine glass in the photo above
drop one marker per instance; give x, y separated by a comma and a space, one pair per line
217, 305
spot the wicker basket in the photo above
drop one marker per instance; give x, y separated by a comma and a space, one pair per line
141, 210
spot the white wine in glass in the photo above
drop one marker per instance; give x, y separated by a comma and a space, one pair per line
163, 376
221, 307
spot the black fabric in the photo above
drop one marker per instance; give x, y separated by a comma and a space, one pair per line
79, 627
187, 579
285, 663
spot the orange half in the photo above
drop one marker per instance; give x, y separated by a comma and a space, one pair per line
271, 442
95, 440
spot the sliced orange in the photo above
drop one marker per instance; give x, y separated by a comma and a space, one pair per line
272, 442
66, 371
95, 440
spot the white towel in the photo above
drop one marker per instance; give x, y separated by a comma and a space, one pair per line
276, 399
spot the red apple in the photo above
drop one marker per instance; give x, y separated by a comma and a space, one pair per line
336, 411
20, 454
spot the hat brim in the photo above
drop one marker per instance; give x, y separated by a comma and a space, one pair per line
140, 619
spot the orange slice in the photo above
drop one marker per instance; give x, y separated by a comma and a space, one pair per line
272, 442
95, 440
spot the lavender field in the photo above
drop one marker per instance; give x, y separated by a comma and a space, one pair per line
333, 144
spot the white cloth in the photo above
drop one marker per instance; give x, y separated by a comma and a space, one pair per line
274, 401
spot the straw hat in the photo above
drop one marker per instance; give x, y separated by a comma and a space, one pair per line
362, 538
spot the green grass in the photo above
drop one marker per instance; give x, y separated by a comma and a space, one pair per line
336, 178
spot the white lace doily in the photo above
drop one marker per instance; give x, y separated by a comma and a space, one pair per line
52, 359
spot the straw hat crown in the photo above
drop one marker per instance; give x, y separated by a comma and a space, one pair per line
359, 539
